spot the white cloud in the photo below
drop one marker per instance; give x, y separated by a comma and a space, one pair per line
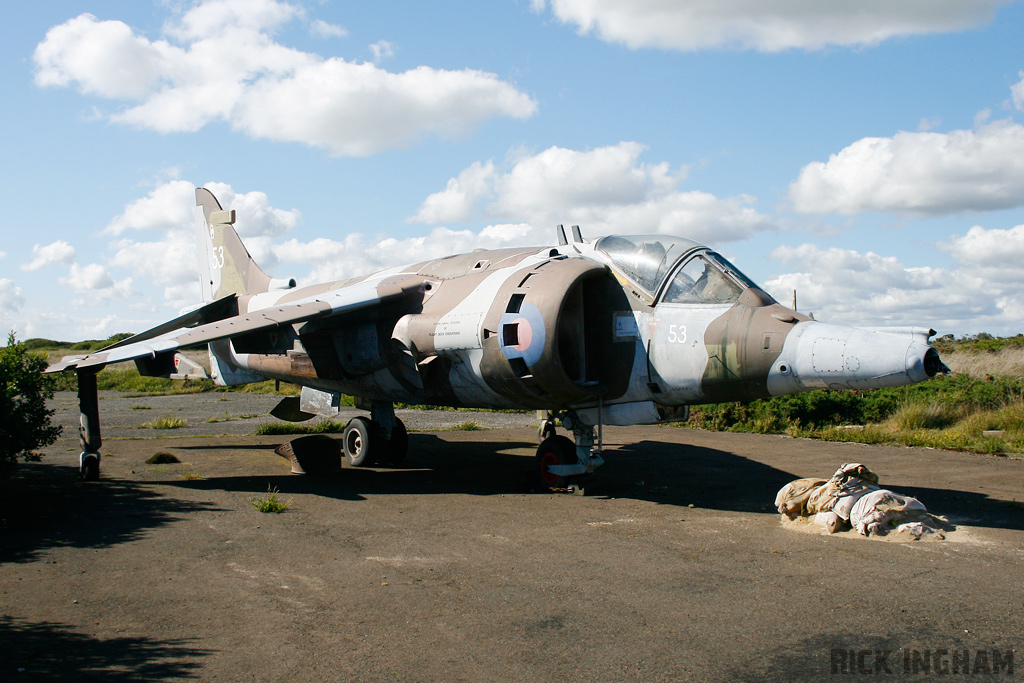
168, 206
215, 18
56, 252
169, 258
11, 299
357, 255
94, 281
766, 25
997, 253
1017, 90
321, 29
868, 289
104, 58
229, 68
925, 173
382, 49
605, 190
457, 201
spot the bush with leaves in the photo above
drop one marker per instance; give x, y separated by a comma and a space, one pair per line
24, 418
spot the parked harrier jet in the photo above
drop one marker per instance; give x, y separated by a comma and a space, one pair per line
621, 330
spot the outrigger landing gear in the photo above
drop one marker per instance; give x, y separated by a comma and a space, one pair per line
380, 439
547, 425
89, 426
560, 463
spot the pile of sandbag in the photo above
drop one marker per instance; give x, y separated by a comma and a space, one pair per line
852, 497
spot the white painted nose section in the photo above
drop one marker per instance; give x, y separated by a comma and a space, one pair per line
822, 356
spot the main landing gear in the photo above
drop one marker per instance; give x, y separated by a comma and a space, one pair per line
561, 464
380, 439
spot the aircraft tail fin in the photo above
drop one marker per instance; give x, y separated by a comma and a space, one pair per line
225, 266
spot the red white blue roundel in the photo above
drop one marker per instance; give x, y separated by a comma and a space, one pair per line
522, 334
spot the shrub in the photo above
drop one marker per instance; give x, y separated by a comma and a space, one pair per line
24, 419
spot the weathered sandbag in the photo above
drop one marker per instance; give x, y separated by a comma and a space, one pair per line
877, 511
792, 497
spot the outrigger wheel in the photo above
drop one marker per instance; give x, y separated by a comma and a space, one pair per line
555, 450
89, 466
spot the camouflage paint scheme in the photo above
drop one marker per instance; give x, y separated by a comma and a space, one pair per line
613, 331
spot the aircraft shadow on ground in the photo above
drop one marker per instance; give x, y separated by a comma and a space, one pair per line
668, 473
47, 506
48, 651
661, 472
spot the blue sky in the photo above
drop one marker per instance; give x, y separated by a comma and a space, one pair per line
869, 153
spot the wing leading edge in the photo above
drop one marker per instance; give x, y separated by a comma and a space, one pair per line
196, 327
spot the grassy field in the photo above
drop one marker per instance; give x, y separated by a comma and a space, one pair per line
979, 407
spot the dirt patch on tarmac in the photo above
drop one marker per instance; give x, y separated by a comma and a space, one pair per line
451, 568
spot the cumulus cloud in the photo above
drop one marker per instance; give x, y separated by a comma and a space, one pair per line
322, 29
11, 299
219, 62
56, 252
922, 173
868, 289
765, 25
359, 254
157, 242
382, 49
997, 252
457, 201
94, 281
604, 190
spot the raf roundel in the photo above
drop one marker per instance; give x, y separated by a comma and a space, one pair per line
523, 334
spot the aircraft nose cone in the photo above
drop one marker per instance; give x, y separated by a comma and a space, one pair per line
822, 356
923, 362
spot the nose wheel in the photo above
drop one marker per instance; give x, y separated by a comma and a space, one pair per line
552, 452
562, 464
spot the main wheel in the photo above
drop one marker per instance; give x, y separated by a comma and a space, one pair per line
555, 450
397, 447
361, 441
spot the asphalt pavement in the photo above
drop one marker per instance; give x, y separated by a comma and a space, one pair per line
673, 567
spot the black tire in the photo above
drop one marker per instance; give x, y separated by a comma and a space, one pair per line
90, 469
546, 430
555, 450
360, 442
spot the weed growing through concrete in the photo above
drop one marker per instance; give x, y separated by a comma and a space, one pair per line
166, 423
270, 503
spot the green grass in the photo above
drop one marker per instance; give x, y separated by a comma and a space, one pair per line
269, 503
944, 412
319, 427
168, 422
467, 426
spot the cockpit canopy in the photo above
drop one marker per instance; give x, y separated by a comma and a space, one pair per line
680, 270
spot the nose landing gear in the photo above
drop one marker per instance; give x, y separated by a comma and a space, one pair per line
562, 464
